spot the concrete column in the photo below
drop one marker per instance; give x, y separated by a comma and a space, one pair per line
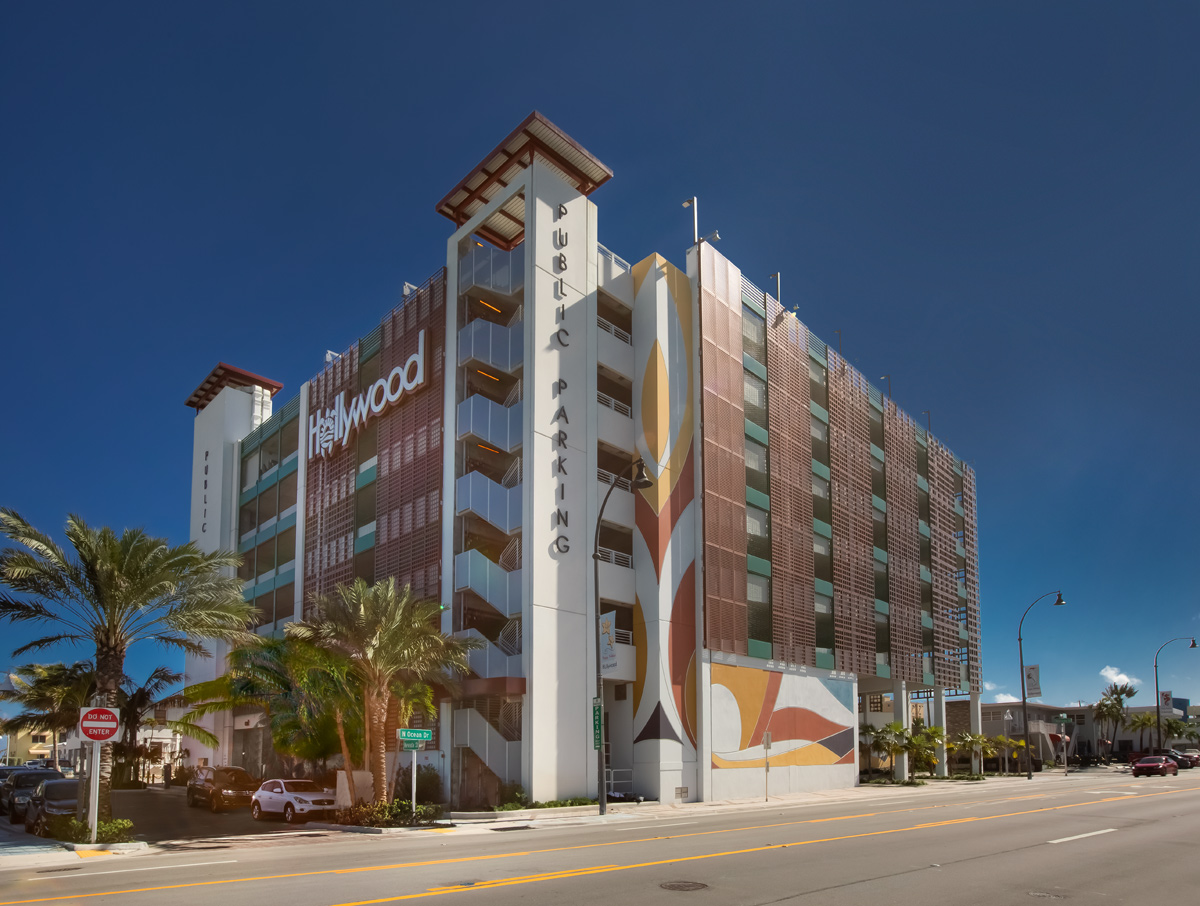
901, 711
938, 719
976, 718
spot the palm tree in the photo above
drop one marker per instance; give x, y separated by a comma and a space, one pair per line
312, 704
113, 591
1173, 728
866, 735
51, 695
1111, 714
922, 747
1004, 744
892, 739
978, 745
1139, 724
389, 638
134, 703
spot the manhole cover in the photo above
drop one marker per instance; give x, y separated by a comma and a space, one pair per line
1042, 895
683, 885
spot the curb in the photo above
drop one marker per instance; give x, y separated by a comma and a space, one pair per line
355, 829
107, 847
526, 814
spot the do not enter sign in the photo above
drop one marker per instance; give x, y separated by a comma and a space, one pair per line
98, 724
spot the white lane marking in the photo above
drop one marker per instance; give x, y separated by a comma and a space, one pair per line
120, 871
1107, 830
657, 826
1114, 792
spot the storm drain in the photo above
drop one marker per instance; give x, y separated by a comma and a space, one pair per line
1042, 895
683, 885
50, 871
517, 827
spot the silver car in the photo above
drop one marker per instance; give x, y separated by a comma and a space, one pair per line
296, 800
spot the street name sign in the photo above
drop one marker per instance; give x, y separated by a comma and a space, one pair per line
404, 734
413, 745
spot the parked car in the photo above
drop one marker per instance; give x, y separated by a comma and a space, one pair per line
1193, 754
15, 791
296, 800
1183, 761
50, 799
223, 787
1155, 764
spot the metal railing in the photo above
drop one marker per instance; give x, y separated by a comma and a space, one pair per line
615, 259
509, 640
616, 405
610, 328
619, 780
512, 477
616, 557
510, 557
606, 477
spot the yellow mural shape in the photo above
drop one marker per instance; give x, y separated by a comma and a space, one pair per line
749, 688
805, 756
656, 403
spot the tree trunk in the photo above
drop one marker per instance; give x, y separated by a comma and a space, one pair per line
346, 761
54, 742
378, 755
110, 668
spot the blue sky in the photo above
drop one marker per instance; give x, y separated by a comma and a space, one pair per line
995, 203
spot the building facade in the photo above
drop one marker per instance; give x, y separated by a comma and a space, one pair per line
802, 543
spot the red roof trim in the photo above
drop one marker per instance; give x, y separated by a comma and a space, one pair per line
226, 375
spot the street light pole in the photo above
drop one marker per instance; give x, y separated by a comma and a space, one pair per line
640, 480
1157, 699
1024, 702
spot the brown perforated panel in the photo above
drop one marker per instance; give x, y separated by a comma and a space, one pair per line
329, 491
971, 543
790, 461
853, 534
408, 542
946, 637
904, 547
724, 455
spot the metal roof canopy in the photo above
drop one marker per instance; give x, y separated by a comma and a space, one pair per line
223, 376
536, 136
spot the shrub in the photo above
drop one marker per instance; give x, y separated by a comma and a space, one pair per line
513, 796
398, 813
429, 783
181, 775
72, 830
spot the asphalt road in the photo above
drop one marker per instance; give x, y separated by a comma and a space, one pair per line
1090, 838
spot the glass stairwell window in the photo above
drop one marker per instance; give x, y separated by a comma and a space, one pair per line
758, 533
758, 610
756, 467
822, 502
755, 399
818, 384
754, 335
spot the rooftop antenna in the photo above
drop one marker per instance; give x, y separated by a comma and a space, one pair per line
691, 203
778, 294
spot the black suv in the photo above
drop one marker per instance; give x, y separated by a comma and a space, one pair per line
50, 799
225, 787
17, 787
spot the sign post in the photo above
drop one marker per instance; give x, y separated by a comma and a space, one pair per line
414, 741
1062, 720
596, 724
767, 773
98, 725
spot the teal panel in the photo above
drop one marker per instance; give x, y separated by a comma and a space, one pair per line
755, 305
962, 633
822, 528
365, 543
269, 481
926, 575
365, 478
921, 437
248, 592
876, 399
754, 366
878, 504
929, 679
927, 620
881, 556
819, 468
818, 411
922, 483
882, 607
754, 432
289, 465
247, 495
285, 523
284, 578
247, 545
958, 466
962, 591
263, 587
823, 588
758, 566
825, 660
755, 648
958, 509
960, 550
883, 670
758, 499
266, 534
923, 527
816, 350
878, 453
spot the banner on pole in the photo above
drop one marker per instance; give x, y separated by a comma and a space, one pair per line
1165, 699
608, 641
1033, 683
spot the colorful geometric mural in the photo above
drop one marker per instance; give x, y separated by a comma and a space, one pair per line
810, 718
664, 695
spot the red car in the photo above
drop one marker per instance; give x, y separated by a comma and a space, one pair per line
1155, 764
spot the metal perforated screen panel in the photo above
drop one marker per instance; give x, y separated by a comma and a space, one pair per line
946, 638
904, 546
790, 462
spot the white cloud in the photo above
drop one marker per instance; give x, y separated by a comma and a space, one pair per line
1003, 698
1113, 675
990, 687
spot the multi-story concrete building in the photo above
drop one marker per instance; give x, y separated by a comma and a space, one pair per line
802, 543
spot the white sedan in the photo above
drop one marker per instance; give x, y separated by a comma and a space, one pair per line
296, 800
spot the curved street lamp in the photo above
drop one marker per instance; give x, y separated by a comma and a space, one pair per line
1025, 704
640, 481
1157, 699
